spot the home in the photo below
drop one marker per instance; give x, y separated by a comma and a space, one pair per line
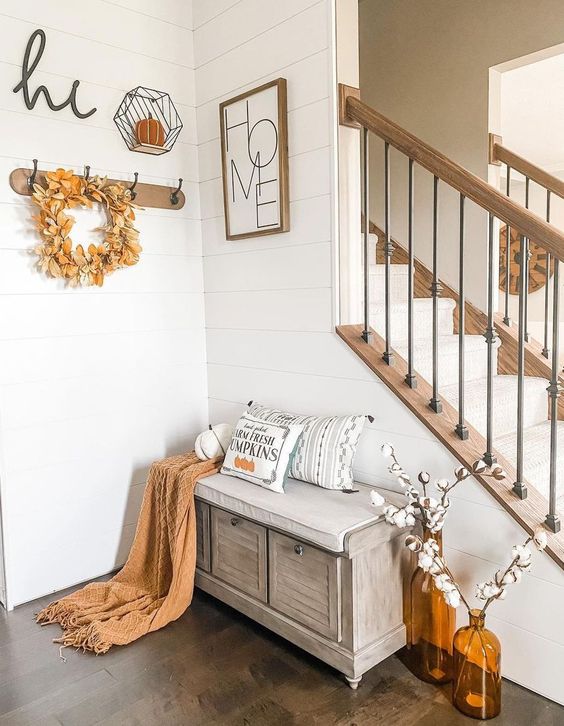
281, 424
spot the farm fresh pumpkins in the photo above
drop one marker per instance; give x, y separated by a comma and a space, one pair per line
213, 442
150, 131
